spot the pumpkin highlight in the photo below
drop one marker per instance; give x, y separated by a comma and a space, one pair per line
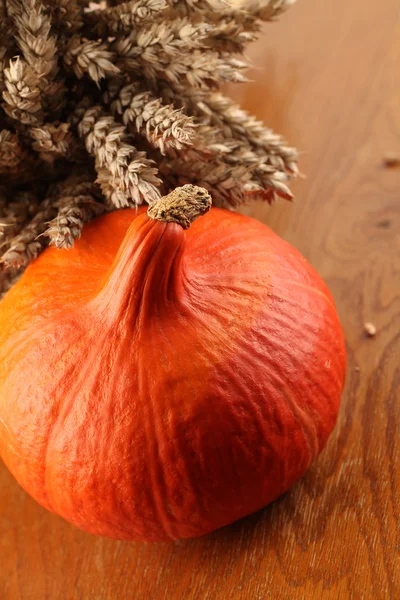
157, 383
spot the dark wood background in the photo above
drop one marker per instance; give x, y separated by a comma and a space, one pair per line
328, 77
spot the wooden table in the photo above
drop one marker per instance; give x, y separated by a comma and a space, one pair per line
329, 79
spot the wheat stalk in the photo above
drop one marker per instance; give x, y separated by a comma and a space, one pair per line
22, 95
106, 105
121, 19
127, 176
163, 126
90, 57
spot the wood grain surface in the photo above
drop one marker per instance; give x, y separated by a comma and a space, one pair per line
328, 77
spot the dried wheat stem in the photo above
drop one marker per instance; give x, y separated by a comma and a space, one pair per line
39, 48
232, 175
262, 176
162, 125
227, 35
208, 70
230, 125
226, 182
123, 17
175, 51
160, 43
73, 212
66, 15
160, 59
5, 45
264, 10
53, 141
230, 28
29, 242
200, 7
126, 175
17, 164
15, 214
22, 96
90, 57
270, 181
235, 122
246, 13
11, 151
26, 246
8, 228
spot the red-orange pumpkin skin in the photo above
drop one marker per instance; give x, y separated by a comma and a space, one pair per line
157, 383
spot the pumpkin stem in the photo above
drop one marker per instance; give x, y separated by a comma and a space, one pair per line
181, 206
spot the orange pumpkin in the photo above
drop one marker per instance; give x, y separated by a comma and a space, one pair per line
157, 383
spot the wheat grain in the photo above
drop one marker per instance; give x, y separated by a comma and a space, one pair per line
130, 91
